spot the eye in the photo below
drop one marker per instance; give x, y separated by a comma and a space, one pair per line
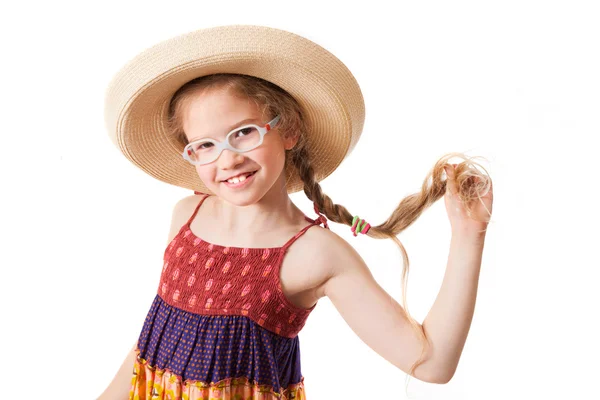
245, 131
204, 145
201, 146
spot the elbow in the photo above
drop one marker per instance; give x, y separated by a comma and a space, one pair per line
434, 370
438, 375
441, 380
442, 377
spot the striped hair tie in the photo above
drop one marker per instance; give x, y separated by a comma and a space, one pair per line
360, 225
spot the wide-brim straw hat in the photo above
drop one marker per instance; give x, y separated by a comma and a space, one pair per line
138, 96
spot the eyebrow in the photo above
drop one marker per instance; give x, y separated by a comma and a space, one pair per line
236, 125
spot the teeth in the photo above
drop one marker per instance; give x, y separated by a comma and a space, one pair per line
239, 179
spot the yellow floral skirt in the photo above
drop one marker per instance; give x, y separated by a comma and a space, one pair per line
151, 383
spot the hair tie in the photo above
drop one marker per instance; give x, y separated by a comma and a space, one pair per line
360, 225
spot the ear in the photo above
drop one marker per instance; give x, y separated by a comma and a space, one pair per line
290, 141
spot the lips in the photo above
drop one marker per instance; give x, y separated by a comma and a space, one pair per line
250, 173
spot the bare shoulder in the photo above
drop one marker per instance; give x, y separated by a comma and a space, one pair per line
328, 254
184, 208
188, 203
182, 211
343, 263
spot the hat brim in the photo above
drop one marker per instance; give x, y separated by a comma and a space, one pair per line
137, 99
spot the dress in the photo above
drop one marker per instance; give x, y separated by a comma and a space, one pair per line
220, 326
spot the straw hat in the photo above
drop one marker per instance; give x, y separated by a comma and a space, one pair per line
137, 98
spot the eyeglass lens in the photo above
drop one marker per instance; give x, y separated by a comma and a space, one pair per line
205, 151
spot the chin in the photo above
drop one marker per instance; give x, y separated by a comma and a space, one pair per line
241, 198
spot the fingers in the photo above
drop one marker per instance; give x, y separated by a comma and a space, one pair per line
450, 186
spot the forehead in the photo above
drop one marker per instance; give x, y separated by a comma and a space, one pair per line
213, 113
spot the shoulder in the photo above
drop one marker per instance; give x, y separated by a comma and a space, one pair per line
332, 246
185, 206
189, 201
331, 254
182, 211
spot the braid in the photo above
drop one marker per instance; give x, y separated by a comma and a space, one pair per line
312, 189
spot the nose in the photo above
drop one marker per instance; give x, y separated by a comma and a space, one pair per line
229, 159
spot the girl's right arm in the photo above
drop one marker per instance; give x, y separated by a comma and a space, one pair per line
121, 383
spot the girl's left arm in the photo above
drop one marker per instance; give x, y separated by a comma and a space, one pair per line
381, 322
447, 324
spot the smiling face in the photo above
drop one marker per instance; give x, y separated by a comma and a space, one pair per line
213, 114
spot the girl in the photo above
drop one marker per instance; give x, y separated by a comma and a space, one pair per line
245, 115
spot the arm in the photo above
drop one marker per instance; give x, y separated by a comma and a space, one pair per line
447, 323
382, 323
121, 383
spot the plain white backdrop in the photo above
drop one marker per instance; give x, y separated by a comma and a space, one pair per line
516, 82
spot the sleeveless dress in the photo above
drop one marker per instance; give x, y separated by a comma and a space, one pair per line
220, 326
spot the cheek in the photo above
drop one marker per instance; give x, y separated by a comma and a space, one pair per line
272, 155
206, 175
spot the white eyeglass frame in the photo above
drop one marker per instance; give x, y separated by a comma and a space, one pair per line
262, 130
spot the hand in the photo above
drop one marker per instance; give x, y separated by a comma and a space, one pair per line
481, 208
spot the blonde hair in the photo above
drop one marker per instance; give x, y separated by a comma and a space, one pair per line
470, 182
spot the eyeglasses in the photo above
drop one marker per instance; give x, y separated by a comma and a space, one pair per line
240, 140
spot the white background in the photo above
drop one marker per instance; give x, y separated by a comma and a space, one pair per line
517, 82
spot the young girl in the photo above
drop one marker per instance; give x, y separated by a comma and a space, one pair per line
244, 116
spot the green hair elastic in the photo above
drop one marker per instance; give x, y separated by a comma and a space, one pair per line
360, 225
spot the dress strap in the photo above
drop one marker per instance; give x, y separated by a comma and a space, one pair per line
313, 222
320, 220
197, 207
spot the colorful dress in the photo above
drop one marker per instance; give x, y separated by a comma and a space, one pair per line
220, 326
